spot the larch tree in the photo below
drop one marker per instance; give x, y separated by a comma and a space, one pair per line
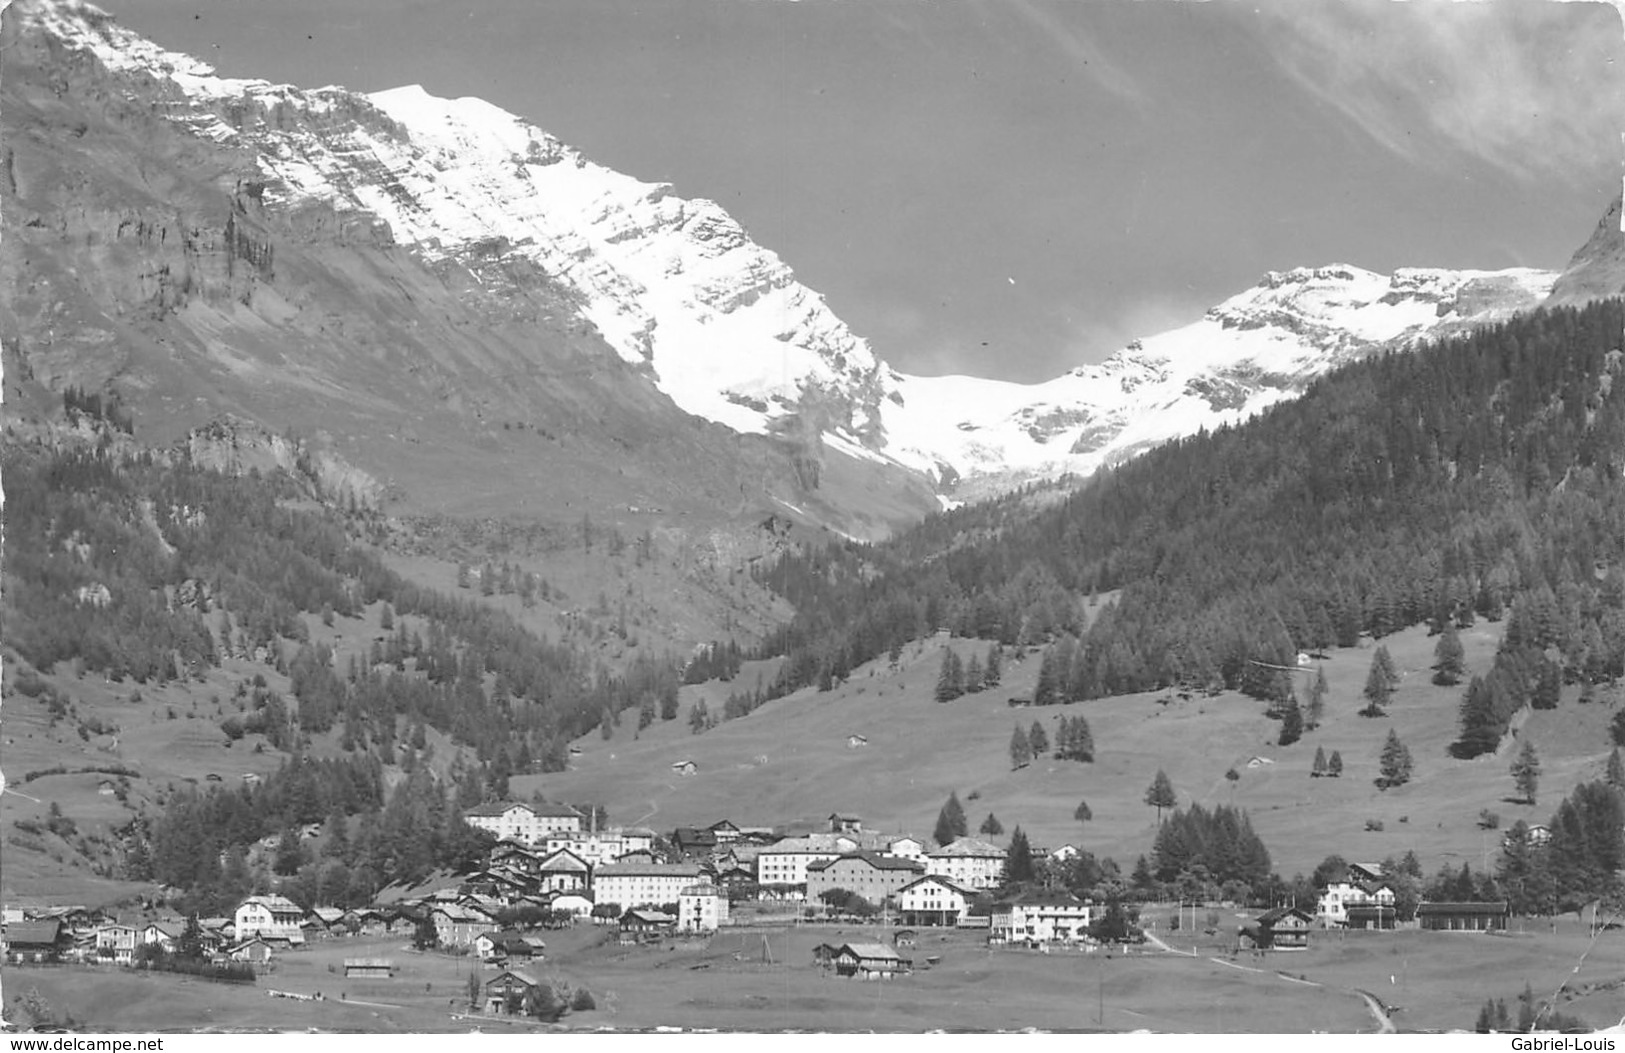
1526, 771
1021, 750
1616, 770
1291, 722
1160, 794
1449, 657
1334, 765
1395, 762
1319, 768
992, 669
1038, 740
1082, 813
1379, 685
991, 826
1317, 700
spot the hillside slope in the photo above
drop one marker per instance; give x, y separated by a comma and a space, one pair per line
790, 763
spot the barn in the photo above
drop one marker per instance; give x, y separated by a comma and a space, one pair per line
1463, 917
368, 968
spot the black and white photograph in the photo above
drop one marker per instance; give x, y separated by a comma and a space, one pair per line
728, 517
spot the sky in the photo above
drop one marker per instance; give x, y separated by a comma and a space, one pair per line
1011, 188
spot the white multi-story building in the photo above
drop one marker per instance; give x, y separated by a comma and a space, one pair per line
643, 884
785, 863
701, 908
1332, 910
273, 917
932, 901
116, 943
525, 823
1041, 917
602, 847
967, 862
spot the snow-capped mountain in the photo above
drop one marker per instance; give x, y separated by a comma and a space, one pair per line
1250, 351
720, 325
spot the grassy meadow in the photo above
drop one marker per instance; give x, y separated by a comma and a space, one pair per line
789, 762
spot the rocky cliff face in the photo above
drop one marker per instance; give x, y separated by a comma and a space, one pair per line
451, 300
1598, 268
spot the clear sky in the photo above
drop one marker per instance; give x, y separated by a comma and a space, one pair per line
1013, 187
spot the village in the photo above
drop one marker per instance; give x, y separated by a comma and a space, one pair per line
551, 869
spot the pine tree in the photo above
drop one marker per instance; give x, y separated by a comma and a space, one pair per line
1319, 769
951, 677
950, 821
1616, 770
992, 669
1160, 794
1448, 657
1082, 813
973, 675
1526, 771
1018, 859
1317, 700
1291, 723
1395, 765
991, 826
1021, 752
1548, 686
1334, 766
1047, 691
1038, 740
1480, 727
1379, 685
1083, 742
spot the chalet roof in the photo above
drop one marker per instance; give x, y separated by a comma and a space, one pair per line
1047, 898
33, 933
457, 912
563, 859
524, 978
940, 880
827, 844
328, 914
172, 929
492, 809
376, 963
649, 917
1497, 907
690, 870
1275, 914
273, 903
871, 950
873, 859
702, 889
554, 811
723, 824
966, 847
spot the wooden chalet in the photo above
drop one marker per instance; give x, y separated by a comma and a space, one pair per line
1280, 929
1463, 917
505, 992
870, 961
642, 925
36, 941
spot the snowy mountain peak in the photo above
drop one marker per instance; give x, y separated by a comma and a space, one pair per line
677, 288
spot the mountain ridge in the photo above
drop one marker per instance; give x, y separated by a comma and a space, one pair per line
587, 298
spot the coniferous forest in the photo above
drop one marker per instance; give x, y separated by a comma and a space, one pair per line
1475, 478
123, 564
